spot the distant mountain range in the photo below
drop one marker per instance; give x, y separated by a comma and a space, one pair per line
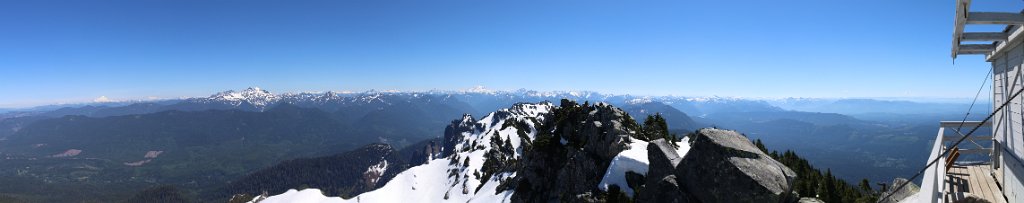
201, 144
870, 106
481, 101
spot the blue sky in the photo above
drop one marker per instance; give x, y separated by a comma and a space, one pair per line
67, 51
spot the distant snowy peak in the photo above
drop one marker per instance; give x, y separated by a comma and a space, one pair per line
254, 96
644, 100
530, 110
714, 99
256, 99
479, 89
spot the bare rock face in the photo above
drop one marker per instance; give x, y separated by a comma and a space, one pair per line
663, 158
454, 132
664, 189
571, 153
810, 200
429, 151
662, 184
724, 166
903, 193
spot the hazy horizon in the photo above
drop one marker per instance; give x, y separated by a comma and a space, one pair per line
105, 99
80, 51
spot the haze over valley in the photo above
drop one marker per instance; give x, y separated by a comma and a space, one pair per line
202, 144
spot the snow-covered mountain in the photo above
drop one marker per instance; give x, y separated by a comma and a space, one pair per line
254, 97
571, 152
457, 176
477, 101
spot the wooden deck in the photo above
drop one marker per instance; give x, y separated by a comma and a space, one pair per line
971, 180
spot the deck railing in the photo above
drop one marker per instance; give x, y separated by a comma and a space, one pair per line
933, 182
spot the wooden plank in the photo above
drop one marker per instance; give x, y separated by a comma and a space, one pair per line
953, 155
971, 179
960, 20
985, 180
981, 186
959, 185
997, 18
977, 47
984, 36
956, 180
989, 184
967, 124
973, 137
933, 183
972, 52
976, 151
994, 192
1002, 48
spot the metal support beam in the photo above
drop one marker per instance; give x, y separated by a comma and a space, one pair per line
984, 36
995, 18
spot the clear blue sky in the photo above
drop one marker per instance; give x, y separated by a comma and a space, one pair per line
65, 51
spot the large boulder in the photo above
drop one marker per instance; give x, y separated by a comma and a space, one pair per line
902, 193
662, 184
663, 158
724, 166
810, 200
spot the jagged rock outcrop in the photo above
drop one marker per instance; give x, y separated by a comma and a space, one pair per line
346, 174
542, 153
663, 158
454, 133
901, 194
724, 166
662, 184
572, 152
422, 153
578, 143
810, 200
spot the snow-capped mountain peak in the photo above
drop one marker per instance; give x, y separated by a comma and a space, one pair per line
479, 89
642, 100
462, 176
254, 96
713, 99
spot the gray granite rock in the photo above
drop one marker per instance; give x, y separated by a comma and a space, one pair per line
580, 144
661, 184
724, 166
903, 193
810, 200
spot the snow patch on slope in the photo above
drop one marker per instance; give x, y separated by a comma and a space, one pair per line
376, 171
633, 159
458, 178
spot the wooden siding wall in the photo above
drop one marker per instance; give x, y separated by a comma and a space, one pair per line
1007, 124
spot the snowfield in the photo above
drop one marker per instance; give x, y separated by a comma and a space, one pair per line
633, 159
456, 178
449, 179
